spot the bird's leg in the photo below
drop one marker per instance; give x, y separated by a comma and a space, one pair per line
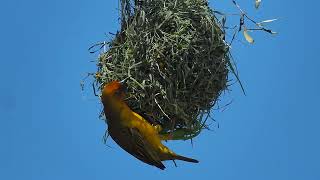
175, 164
157, 127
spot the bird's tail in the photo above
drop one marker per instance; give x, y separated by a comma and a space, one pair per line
182, 158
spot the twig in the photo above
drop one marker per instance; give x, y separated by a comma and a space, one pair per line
155, 100
244, 14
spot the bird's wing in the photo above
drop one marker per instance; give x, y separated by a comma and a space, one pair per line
131, 140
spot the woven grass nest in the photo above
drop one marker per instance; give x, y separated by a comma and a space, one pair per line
175, 61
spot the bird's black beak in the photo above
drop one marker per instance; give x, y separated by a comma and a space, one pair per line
123, 81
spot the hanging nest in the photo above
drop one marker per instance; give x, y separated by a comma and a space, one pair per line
175, 60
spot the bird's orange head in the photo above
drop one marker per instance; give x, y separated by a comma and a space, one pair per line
112, 88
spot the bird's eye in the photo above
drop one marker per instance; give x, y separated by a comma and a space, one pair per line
117, 93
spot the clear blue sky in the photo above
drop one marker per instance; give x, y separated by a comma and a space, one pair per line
50, 130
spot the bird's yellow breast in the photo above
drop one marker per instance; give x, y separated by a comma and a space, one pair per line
120, 114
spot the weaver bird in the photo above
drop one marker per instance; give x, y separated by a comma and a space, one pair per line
132, 132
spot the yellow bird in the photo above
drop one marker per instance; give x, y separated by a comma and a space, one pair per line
132, 132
